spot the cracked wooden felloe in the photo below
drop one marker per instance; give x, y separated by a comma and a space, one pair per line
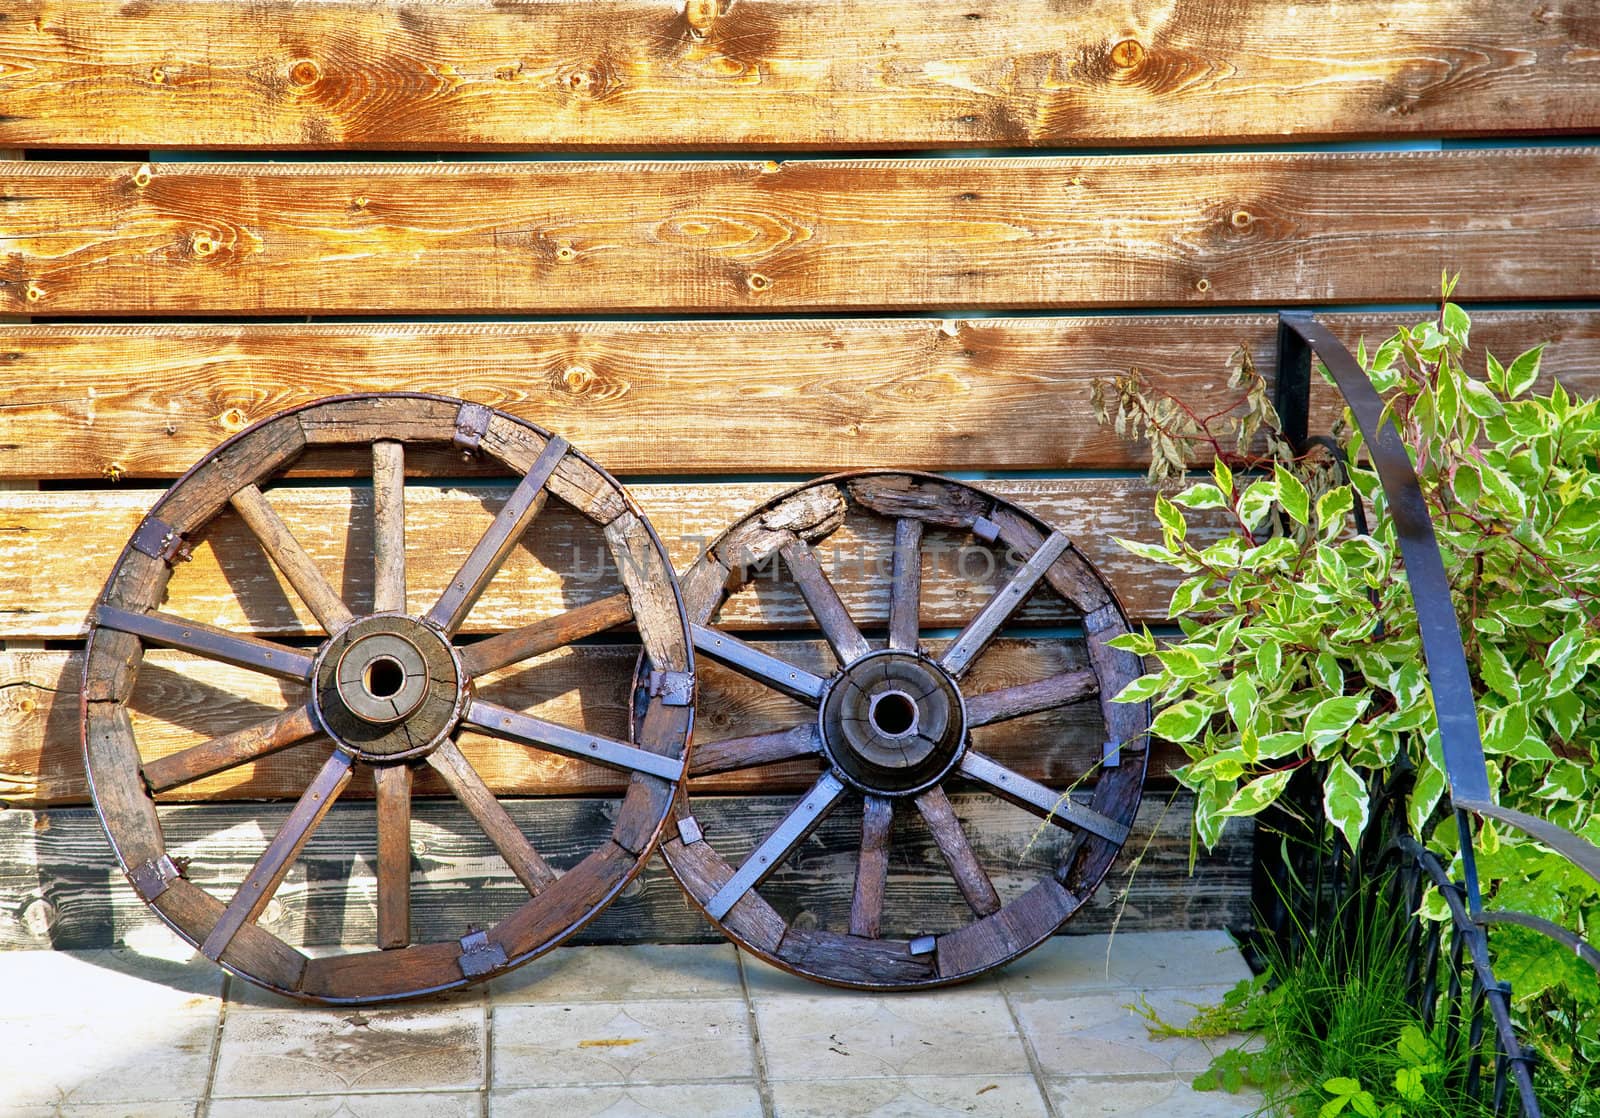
892, 731
387, 690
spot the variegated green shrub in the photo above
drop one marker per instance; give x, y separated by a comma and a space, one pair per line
1299, 642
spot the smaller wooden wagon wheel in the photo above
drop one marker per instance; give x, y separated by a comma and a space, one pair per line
385, 690
892, 725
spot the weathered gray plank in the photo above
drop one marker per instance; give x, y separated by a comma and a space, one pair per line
59, 885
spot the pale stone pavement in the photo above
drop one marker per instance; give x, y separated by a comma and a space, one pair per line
697, 1032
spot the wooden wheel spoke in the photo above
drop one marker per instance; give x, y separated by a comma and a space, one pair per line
231, 750
790, 832
546, 635
269, 870
468, 787
872, 867
503, 722
389, 526
804, 740
969, 874
210, 642
290, 558
1030, 698
905, 590
393, 785
492, 548
842, 633
973, 639
1035, 797
751, 661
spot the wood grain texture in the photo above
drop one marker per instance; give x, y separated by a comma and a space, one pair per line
60, 886
563, 563
713, 236
793, 73
149, 401
180, 702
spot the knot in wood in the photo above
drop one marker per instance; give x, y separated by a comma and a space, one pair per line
305, 72
758, 282
578, 379
1127, 54
700, 14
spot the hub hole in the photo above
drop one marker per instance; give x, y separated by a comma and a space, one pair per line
384, 677
893, 713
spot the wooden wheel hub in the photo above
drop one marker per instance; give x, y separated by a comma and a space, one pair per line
893, 723
388, 688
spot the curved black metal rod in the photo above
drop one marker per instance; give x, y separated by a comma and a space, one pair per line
1299, 335
1496, 994
1578, 945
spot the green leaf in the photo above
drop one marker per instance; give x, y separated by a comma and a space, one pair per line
1208, 820
1497, 372
1171, 519
1223, 476
1344, 799
1242, 699
1257, 794
1479, 400
1154, 552
1256, 501
1292, 496
1182, 662
1143, 688
1414, 1048
1140, 644
1456, 324
1181, 721
1188, 595
1496, 672
1329, 672
1333, 507
1331, 718
1523, 372
1341, 1086
1425, 796
1202, 496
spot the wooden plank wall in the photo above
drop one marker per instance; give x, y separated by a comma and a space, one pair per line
696, 262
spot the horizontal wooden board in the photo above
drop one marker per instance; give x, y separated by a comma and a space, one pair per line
480, 238
60, 886
181, 701
799, 395
562, 561
791, 73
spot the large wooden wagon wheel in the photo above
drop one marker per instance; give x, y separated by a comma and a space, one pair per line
892, 725
386, 690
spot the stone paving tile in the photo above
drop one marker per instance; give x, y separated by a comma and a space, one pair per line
679, 1100
838, 1035
621, 1043
304, 1052
622, 974
79, 983
160, 1055
1006, 1096
1148, 960
1098, 1034
429, 1105
1148, 1098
